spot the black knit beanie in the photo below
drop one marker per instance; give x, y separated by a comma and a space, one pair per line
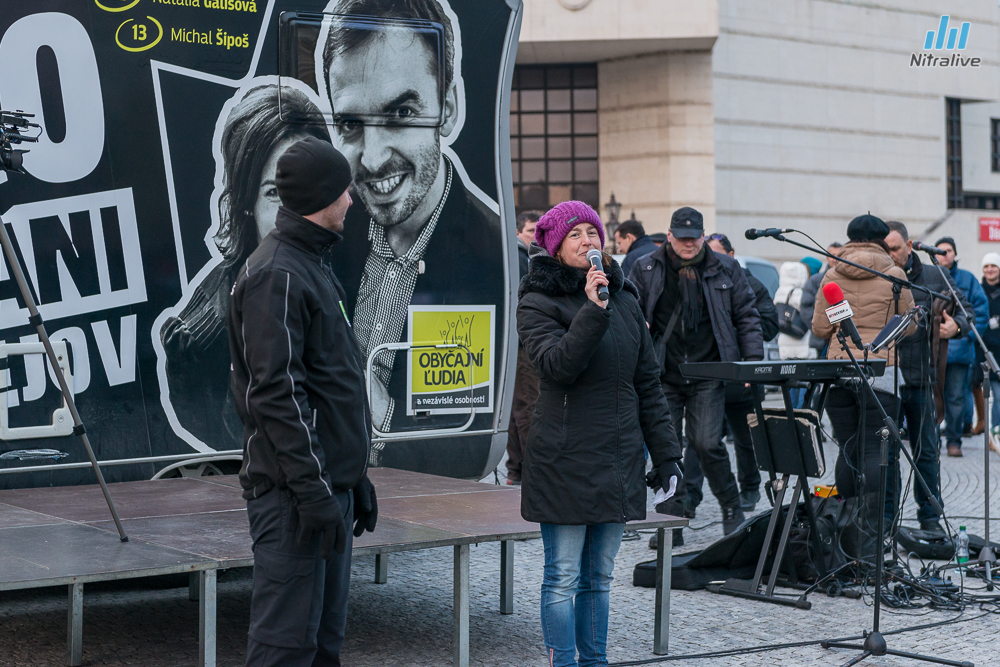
867, 228
311, 175
950, 241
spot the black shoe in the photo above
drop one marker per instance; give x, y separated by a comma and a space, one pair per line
630, 535
732, 517
676, 541
689, 509
749, 499
933, 526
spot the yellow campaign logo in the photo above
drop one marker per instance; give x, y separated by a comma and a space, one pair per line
139, 33
446, 379
116, 9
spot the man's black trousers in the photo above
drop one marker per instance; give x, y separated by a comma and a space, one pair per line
298, 612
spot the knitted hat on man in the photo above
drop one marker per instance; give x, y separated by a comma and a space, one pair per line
991, 258
867, 228
311, 175
553, 227
950, 241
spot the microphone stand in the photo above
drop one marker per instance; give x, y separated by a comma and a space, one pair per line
874, 644
986, 555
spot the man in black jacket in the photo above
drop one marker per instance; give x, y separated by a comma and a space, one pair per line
632, 240
739, 403
688, 292
299, 389
918, 361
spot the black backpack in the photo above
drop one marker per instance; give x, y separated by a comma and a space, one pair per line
790, 321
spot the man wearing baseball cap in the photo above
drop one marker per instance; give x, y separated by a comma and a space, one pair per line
299, 388
699, 307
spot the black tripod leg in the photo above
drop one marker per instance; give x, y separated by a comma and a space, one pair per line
36, 320
856, 659
928, 658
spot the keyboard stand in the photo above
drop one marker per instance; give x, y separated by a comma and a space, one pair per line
750, 589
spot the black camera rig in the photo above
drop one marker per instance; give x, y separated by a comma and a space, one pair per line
12, 123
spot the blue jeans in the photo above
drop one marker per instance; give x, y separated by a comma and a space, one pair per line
956, 386
918, 407
576, 587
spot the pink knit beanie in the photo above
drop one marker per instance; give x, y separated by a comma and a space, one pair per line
553, 227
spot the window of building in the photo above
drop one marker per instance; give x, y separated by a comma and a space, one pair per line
553, 135
995, 144
953, 139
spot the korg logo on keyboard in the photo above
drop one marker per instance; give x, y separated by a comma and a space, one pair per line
788, 369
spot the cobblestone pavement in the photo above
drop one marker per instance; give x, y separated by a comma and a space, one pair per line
408, 620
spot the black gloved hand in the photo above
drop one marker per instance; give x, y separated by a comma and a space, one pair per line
365, 507
659, 478
666, 471
326, 517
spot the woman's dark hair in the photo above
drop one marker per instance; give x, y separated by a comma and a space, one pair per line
252, 131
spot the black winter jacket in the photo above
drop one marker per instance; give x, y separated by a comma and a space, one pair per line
765, 307
730, 301
915, 350
599, 399
297, 377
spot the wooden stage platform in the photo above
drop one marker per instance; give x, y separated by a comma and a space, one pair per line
64, 536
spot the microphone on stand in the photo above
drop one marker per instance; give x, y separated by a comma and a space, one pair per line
752, 234
840, 311
929, 249
594, 257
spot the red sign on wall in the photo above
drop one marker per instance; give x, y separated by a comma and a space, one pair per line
989, 229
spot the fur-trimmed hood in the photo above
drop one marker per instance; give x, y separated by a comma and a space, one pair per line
549, 276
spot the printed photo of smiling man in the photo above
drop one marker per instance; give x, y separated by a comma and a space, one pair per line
419, 232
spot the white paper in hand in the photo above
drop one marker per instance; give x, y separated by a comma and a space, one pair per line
663, 495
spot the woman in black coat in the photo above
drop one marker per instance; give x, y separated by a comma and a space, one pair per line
599, 400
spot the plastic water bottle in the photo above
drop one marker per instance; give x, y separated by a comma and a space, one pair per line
962, 547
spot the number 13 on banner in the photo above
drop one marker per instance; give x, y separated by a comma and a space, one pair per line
140, 35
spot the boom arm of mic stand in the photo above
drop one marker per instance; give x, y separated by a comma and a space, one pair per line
884, 276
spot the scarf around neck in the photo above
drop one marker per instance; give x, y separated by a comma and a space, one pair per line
688, 287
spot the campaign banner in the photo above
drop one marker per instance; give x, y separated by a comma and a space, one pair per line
153, 181
451, 364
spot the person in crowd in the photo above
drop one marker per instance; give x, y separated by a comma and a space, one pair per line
658, 239
632, 240
961, 350
195, 342
525, 378
991, 286
599, 400
871, 299
920, 356
699, 307
792, 279
299, 389
812, 264
525, 222
807, 304
739, 403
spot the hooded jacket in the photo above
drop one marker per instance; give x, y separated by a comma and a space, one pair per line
599, 399
870, 297
297, 377
962, 350
730, 301
792, 278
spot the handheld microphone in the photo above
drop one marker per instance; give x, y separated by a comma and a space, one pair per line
840, 311
752, 234
594, 257
929, 249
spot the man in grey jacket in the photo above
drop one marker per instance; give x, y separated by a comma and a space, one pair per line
700, 308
